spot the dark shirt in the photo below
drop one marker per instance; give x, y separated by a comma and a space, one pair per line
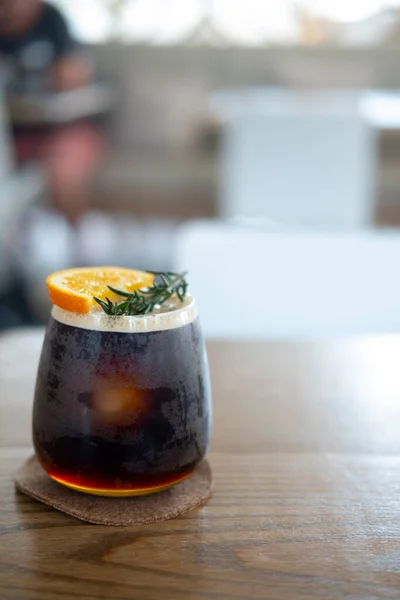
27, 58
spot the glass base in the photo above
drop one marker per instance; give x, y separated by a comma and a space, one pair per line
121, 492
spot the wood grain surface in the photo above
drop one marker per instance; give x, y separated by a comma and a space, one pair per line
306, 457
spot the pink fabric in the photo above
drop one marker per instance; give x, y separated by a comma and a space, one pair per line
68, 153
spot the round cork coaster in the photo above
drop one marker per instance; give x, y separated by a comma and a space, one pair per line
137, 510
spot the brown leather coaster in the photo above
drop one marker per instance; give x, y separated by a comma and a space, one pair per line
177, 500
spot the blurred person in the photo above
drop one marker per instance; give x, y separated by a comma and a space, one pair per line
40, 56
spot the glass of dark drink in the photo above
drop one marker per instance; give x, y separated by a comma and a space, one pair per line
122, 403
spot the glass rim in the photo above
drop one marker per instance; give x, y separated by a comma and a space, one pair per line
100, 321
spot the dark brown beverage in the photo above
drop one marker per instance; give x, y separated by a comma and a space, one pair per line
123, 407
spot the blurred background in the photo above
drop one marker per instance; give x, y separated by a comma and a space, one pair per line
255, 143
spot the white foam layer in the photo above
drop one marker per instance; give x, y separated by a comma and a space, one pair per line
99, 321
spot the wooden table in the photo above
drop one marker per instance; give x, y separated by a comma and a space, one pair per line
306, 456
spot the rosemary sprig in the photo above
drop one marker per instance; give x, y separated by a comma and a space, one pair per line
142, 302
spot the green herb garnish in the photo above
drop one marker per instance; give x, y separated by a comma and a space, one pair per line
142, 302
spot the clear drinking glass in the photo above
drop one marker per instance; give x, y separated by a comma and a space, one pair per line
122, 404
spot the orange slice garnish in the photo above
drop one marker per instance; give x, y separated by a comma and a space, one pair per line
74, 289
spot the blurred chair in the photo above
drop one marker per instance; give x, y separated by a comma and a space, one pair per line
252, 283
299, 166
